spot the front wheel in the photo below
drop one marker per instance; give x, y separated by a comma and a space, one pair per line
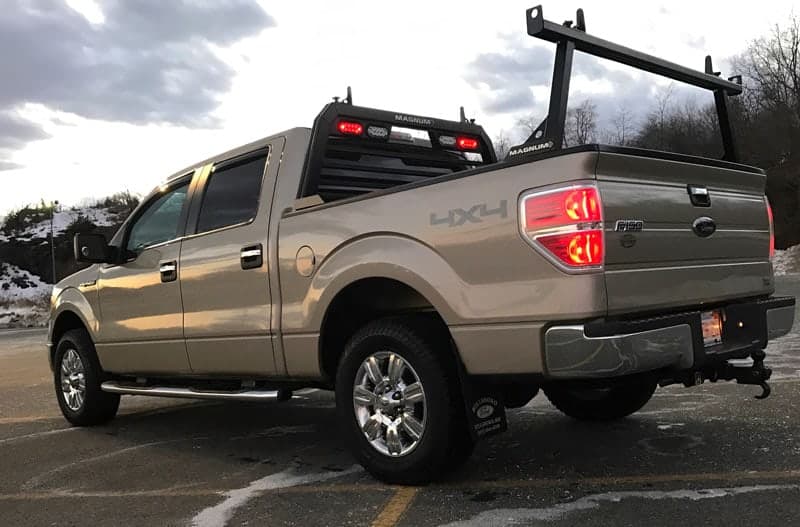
398, 398
616, 401
77, 377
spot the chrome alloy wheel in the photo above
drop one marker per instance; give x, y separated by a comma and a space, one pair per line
389, 402
73, 380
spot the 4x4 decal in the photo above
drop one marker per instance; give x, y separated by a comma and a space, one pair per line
474, 214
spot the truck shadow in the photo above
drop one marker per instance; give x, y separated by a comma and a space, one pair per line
214, 442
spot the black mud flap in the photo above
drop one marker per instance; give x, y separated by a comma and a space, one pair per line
486, 413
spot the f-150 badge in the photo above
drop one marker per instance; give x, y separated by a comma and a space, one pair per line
629, 226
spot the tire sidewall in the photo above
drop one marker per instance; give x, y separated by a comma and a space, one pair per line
433, 445
91, 371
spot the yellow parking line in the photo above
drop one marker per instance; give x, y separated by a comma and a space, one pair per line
27, 419
395, 508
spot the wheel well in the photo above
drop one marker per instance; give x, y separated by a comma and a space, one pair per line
65, 322
362, 302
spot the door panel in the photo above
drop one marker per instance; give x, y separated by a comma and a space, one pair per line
141, 326
226, 298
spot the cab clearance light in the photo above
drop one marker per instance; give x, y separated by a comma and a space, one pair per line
566, 225
350, 128
466, 143
377, 132
447, 140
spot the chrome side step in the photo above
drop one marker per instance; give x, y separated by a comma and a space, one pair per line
190, 393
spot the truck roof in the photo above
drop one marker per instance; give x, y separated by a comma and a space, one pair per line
239, 150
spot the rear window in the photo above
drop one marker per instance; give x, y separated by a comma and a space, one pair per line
232, 193
376, 156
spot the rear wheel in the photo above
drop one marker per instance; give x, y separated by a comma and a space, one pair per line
77, 377
602, 403
398, 398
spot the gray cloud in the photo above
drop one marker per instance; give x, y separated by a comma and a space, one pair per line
14, 133
511, 75
150, 62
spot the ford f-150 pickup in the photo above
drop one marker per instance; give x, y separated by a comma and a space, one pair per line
392, 258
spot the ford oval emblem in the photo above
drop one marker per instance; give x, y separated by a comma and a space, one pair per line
704, 227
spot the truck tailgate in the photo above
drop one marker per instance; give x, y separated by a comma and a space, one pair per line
669, 262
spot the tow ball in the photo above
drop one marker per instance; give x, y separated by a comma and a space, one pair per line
757, 374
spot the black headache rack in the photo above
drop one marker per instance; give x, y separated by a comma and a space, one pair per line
356, 150
569, 37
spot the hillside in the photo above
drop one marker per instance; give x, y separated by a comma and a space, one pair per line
26, 271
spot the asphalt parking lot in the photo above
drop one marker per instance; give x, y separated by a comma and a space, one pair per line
702, 456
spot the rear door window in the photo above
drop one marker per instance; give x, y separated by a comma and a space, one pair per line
232, 193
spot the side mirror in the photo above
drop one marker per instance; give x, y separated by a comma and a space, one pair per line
92, 248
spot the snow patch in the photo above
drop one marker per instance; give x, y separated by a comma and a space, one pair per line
220, 514
787, 261
17, 284
63, 219
497, 517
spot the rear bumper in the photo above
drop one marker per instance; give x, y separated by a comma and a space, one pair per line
603, 349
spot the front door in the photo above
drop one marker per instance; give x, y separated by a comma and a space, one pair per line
224, 272
141, 314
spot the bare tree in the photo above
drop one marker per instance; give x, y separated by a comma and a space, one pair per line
502, 144
624, 126
581, 125
662, 111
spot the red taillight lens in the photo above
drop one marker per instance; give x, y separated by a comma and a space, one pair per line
467, 143
350, 128
771, 229
583, 205
576, 249
564, 207
566, 224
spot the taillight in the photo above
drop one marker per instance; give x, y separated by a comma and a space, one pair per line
466, 143
350, 128
566, 225
771, 229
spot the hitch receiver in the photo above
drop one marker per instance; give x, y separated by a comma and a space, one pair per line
757, 374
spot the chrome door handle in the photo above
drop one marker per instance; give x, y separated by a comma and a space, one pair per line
252, 257
169, 271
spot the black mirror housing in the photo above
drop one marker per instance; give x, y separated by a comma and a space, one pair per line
92, 248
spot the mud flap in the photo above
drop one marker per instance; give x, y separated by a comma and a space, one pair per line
486, 413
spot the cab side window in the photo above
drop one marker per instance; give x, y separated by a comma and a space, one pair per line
160, 220
232, 193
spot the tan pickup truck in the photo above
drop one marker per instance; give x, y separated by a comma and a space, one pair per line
391, 258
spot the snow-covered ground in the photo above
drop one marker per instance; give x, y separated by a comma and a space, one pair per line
787, 261
18, 284
23, 297
63, 219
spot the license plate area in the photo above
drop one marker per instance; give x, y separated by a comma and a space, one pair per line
711, 322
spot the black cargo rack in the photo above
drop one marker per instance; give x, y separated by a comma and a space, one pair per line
331, 172
569, 37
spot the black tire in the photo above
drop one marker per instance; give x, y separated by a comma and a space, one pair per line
518, 395
445, 442
602, 404
97, 407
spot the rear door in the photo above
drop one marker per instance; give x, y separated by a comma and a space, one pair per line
224, 272
703, 233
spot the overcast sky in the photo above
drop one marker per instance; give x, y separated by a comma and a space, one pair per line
100, 96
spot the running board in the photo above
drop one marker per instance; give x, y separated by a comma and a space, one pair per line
190, 393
